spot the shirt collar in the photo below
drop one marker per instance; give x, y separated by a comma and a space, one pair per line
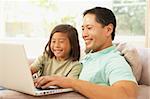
104, 51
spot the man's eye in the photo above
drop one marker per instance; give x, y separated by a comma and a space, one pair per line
89, 28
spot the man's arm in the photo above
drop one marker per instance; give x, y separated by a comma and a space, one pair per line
119, 90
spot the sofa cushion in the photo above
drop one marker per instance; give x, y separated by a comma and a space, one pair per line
131, 55
144, 92
144, 54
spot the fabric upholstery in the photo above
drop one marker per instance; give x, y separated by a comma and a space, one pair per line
144, 92
144, 54
132, 57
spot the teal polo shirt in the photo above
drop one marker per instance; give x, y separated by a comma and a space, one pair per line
106, 67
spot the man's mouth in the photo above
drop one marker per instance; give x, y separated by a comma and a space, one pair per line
87, 41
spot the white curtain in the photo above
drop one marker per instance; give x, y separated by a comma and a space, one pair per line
148, 25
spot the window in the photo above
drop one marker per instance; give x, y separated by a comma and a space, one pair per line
148, 25
36, 18
30, 21
130, 16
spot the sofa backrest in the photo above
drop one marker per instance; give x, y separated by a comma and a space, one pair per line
144, 54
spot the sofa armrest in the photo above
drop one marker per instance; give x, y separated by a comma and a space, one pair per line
144, 54
144, 92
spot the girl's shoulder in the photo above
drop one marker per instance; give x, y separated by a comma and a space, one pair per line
45, 57
75, 63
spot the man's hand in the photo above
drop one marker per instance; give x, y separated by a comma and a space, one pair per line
46, 81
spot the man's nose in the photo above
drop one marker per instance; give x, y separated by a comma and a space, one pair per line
84, 33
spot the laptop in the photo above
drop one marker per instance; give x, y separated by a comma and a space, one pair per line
15, 72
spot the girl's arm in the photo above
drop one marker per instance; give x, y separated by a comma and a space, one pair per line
75, 71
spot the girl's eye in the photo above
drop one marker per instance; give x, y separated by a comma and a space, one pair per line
61, 41
53, 41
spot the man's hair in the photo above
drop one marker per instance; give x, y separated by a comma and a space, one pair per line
72, 35
104, 16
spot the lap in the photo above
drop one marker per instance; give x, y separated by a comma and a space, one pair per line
10, 94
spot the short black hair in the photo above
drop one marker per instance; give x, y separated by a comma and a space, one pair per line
73, 39
104, 16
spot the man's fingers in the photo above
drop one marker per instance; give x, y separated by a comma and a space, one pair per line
40, 82
48, 84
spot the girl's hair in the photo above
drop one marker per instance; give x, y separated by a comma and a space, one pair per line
73, 38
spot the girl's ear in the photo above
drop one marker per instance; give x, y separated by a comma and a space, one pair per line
109, 29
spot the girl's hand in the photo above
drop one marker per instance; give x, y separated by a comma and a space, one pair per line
46, 81
33, 70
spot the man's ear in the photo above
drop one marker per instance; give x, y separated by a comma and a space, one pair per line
109, 29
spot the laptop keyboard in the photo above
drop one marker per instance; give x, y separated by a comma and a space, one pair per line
2, 88
50, 87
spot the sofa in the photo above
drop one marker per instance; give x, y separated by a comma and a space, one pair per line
144, 81
138, 58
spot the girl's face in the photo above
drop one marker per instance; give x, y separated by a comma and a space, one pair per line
60, 46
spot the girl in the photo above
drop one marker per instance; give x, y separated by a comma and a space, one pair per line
61, 55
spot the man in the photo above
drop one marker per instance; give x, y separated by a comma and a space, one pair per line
105, 74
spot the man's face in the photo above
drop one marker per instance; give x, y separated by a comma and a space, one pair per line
94, 34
